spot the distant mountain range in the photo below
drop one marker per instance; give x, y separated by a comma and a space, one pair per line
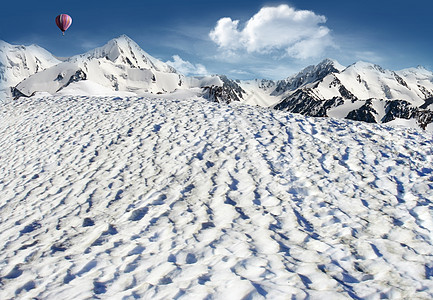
361, 91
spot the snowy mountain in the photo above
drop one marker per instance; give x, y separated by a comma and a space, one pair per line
309, 75
152, 198
119, 66
20, 62
361, 91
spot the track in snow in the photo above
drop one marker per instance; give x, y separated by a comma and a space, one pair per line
161, 199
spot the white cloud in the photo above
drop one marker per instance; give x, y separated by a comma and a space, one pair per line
226, 33
369, 56
239, 72
298, 33
187, 68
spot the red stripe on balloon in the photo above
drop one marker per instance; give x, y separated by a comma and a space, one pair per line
63, 21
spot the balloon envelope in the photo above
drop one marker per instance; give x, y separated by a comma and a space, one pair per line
63, 21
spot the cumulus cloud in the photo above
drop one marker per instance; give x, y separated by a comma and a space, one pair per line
187, 68
299, 33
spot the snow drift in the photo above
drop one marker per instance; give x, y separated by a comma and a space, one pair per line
149, 198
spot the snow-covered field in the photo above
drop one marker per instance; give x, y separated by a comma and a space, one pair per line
124, 198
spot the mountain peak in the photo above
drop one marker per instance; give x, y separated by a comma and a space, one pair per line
308, 75
363, 66
330, 62
323, 68
123, 37
123, 50
122, 40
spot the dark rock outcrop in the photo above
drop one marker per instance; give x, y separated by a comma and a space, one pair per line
230, 91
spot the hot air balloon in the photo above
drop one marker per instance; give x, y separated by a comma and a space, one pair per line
63, 21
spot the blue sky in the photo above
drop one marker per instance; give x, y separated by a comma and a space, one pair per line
242, 39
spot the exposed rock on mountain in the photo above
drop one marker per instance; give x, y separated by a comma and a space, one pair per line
362, 91
228, 92
311, 74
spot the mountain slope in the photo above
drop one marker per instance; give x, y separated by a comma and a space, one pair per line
143, 198
20, 62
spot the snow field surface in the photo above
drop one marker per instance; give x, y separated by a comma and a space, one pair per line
124, 198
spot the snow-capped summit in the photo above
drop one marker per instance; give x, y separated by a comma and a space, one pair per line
120, 66
310, 74
124, 51
18, 62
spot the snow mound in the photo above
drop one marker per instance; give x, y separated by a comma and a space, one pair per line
121, 198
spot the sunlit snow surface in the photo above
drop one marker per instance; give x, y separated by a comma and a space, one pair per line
123, 198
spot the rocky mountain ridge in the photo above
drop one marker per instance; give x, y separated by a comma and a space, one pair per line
364, 92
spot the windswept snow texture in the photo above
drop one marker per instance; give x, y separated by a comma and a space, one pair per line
124, 198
